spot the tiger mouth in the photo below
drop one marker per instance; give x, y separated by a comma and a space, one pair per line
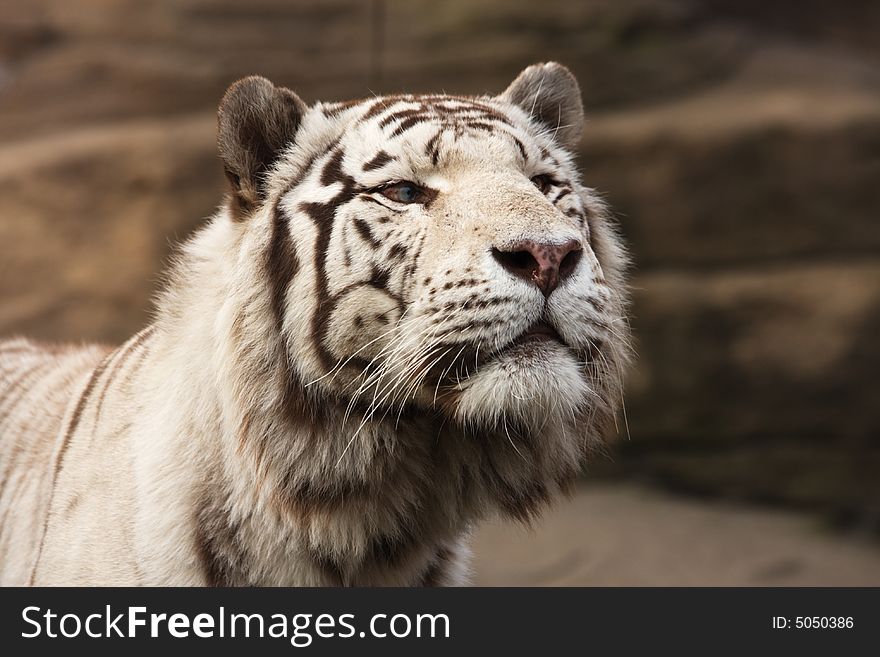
530, 344
539, 332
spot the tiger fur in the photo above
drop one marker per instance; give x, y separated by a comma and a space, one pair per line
408, 315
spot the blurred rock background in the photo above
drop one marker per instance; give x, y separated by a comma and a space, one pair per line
738, 141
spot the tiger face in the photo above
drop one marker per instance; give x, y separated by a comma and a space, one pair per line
435, 253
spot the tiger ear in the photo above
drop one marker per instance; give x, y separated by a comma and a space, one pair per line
550, 94
255, 122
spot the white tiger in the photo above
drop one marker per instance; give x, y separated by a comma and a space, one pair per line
408, 314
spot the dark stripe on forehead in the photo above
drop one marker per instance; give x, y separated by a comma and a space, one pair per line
420, 111
409, 123
469, 106
467, 114
382, 158
481, 125
332, 173
335, 109
381, 105
432, 148
458, 124
446, 109
474, 101
308, 166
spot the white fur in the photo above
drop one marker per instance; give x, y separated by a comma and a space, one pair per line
221, 445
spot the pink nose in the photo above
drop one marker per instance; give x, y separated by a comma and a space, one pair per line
545, 265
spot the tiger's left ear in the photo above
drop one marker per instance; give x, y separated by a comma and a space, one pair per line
550, 94
255, 123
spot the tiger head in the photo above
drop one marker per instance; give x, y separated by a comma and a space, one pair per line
435, 253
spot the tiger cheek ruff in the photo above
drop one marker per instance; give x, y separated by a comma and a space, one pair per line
408, 315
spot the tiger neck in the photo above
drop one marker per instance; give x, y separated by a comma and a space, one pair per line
363, 502
321, 494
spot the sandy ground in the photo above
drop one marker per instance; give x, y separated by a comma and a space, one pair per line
626, 535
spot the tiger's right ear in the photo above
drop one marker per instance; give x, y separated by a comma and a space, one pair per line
255, 123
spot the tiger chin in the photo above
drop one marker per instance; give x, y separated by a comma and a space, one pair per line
408, 314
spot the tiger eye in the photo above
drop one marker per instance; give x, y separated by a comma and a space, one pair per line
404, 192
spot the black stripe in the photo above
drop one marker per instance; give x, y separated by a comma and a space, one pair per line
123, 357
382, 158
409, 123
420, 111
13, 386
364, 231
397, 251
281, 261
562, 194
432, 148
62, 451
23, 390
323, 215
382, 105
19, 386
411, 268
281, 264
521, 147
218, 547
335, 109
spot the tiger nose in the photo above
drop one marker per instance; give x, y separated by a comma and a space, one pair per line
545, 265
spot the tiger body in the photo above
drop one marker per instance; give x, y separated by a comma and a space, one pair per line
347, 370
